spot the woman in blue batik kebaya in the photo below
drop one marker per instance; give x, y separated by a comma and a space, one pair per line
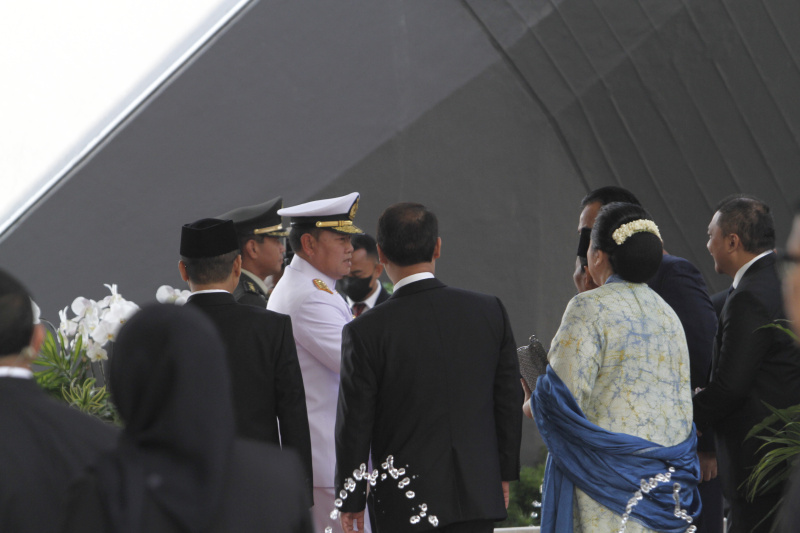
615, 406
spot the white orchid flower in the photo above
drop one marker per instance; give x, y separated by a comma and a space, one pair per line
37, 313
166, 294
95, 352
81, 305
67, 327
104, 332
120, 312
113, 298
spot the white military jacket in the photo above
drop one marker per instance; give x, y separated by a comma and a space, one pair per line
318, 316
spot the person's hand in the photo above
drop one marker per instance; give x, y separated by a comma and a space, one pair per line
349, 519
708, 465
506, 492
526, 407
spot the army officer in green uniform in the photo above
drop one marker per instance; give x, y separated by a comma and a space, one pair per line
261, 232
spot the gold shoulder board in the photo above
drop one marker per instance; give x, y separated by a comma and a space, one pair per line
318, 283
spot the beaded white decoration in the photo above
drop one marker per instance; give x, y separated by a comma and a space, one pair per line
622, 233
646, 486
361, 474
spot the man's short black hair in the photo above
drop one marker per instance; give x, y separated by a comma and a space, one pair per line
296, 236
609, 194
750, 219
244, 238
206, 270
16, 315
365, 242
407, 234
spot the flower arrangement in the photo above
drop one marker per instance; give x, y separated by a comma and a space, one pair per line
72, 355
622, 233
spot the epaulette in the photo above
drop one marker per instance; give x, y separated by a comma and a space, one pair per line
321, 285
251, 287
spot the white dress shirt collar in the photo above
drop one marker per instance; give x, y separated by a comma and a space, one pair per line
412, 278
15, 372
740, 273
209, 291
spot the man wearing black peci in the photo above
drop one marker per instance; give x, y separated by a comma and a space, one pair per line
430, 378
265, 374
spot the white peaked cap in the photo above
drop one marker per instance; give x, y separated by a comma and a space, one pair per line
335, 214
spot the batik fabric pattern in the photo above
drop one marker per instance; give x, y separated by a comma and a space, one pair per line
622, 353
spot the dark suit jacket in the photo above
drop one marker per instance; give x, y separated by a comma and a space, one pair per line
751, 365
44, 446
382, 296
263, 492
431, 377
265, 374
681, 285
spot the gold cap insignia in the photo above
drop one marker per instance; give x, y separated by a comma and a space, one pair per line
321, 285
353, 210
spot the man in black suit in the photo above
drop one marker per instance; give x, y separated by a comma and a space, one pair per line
430, 384
261, 233
267, 383
44, 444
362, 288
752, 364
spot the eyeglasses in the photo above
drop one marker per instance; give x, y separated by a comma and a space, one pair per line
787, 262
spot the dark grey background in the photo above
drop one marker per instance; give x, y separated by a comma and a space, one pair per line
499, 115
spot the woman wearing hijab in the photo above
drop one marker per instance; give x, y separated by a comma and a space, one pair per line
178, 466
614, 407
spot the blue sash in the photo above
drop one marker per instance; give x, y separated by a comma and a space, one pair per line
608, 466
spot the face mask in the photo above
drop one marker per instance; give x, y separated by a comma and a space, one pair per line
355, 288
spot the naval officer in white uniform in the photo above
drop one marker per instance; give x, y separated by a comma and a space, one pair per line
320, 237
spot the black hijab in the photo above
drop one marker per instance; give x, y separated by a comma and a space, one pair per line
170, 383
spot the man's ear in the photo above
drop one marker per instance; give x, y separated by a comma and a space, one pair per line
237, 266
437, 250
378, 270
37, 338
251, 249
182, 270
381, 257
309, 243
733, 241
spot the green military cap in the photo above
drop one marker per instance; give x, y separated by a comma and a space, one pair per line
260, 219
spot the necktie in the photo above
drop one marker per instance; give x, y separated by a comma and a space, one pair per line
358, 308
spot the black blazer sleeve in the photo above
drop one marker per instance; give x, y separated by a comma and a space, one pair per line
354, 416
290, 401
508, 398
743, 343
